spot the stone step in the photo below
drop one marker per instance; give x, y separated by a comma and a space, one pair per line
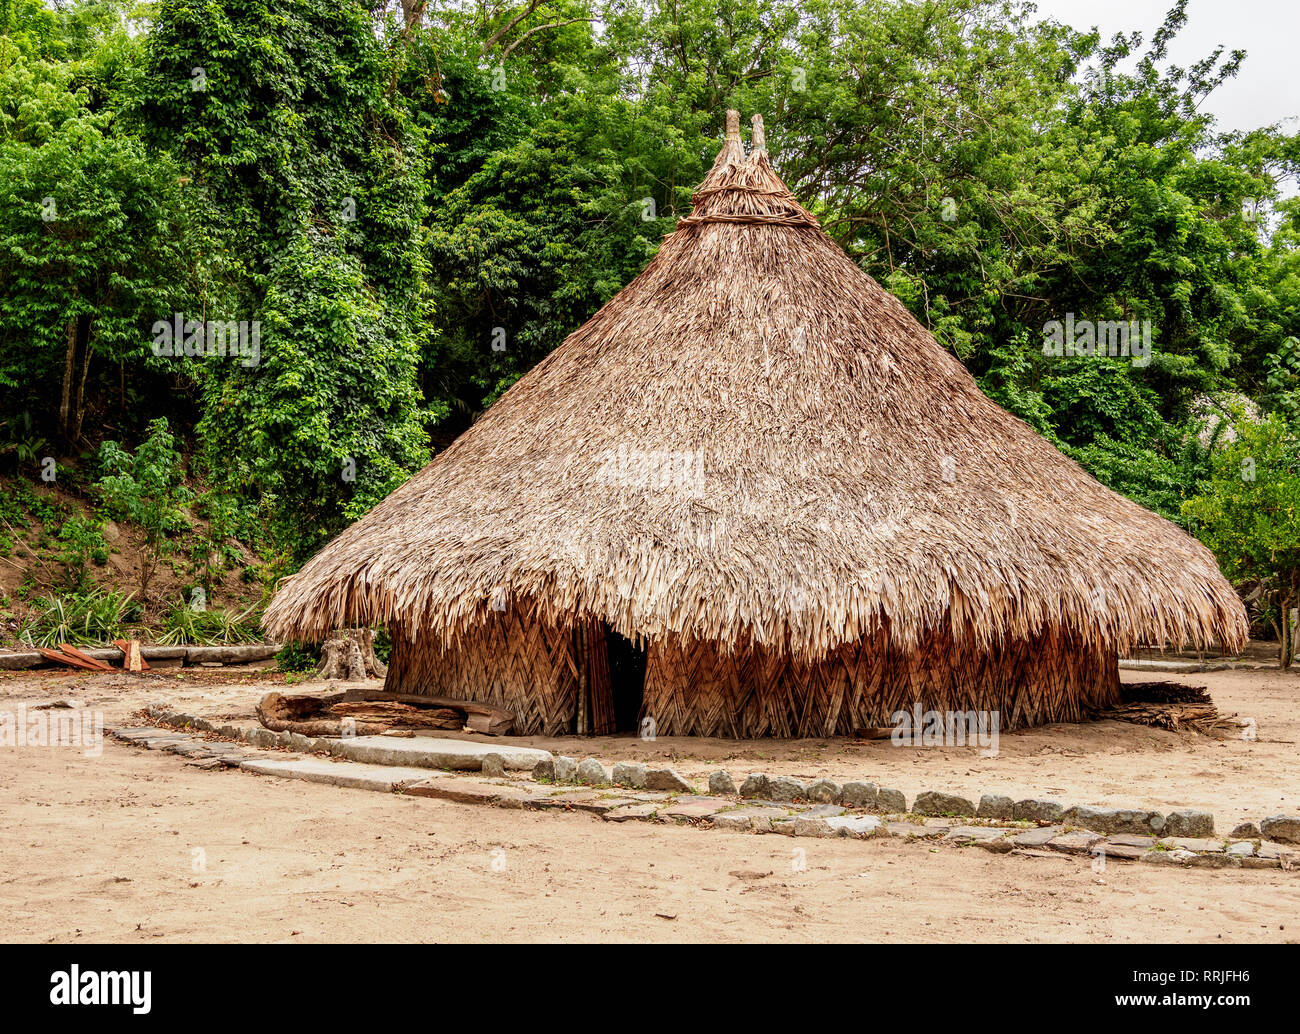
433, 752
353, 774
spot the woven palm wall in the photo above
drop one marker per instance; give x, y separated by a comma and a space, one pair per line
694, 689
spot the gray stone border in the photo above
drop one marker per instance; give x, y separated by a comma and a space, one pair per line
781, 804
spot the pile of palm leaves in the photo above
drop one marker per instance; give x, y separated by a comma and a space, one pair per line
1167, 705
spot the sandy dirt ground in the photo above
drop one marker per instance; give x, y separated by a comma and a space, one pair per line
134, 845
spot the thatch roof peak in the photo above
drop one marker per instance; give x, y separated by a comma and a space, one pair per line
754, 443
741, 189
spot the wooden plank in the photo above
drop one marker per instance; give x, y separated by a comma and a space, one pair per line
63, 658
72, 651
130, 663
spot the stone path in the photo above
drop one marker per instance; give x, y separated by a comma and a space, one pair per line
714, 811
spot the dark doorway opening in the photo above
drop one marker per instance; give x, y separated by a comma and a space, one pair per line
626, 679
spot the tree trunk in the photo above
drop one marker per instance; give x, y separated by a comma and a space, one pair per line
69, 368
413, 11
349, 655
1286, 637
76, 364
79, 404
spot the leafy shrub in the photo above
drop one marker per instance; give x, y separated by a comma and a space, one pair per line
21, 444
298, 657
186, 626
94, 617
82, 542
147, 489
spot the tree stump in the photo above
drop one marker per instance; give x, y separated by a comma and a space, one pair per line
349, 656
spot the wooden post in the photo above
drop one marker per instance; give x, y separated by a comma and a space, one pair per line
580, 655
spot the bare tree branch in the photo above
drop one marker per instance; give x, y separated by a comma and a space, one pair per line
539, 28
495, 38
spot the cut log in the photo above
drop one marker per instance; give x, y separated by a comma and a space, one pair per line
500, 721
304, 715
333, 716
348, 655
400, 714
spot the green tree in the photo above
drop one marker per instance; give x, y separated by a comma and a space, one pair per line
93, 235
316, 179
1250, 518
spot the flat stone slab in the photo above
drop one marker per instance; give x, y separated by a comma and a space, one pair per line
432, 752
911, 829
690, 810
1200, 845
597, 804
1213, 860
623, 813
222, 747
335, 773
755, 817
1079, 842
166, 742
1127, 852
137, 732
1130, 840
1270, 849
1032, 838
975, 834
472, 791
854, 825
785, 807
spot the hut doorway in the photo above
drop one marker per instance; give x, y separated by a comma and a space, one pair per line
627, 663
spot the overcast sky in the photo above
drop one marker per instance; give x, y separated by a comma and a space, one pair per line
1267, 89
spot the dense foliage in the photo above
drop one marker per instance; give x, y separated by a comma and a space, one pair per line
397, 210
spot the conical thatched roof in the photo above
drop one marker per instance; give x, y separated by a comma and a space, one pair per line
754, 442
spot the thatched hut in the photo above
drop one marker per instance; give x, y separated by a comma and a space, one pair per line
753, 496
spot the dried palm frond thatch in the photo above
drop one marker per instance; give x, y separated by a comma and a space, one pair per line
1169, 705
754, 446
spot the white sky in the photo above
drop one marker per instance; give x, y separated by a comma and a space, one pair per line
1266, 90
